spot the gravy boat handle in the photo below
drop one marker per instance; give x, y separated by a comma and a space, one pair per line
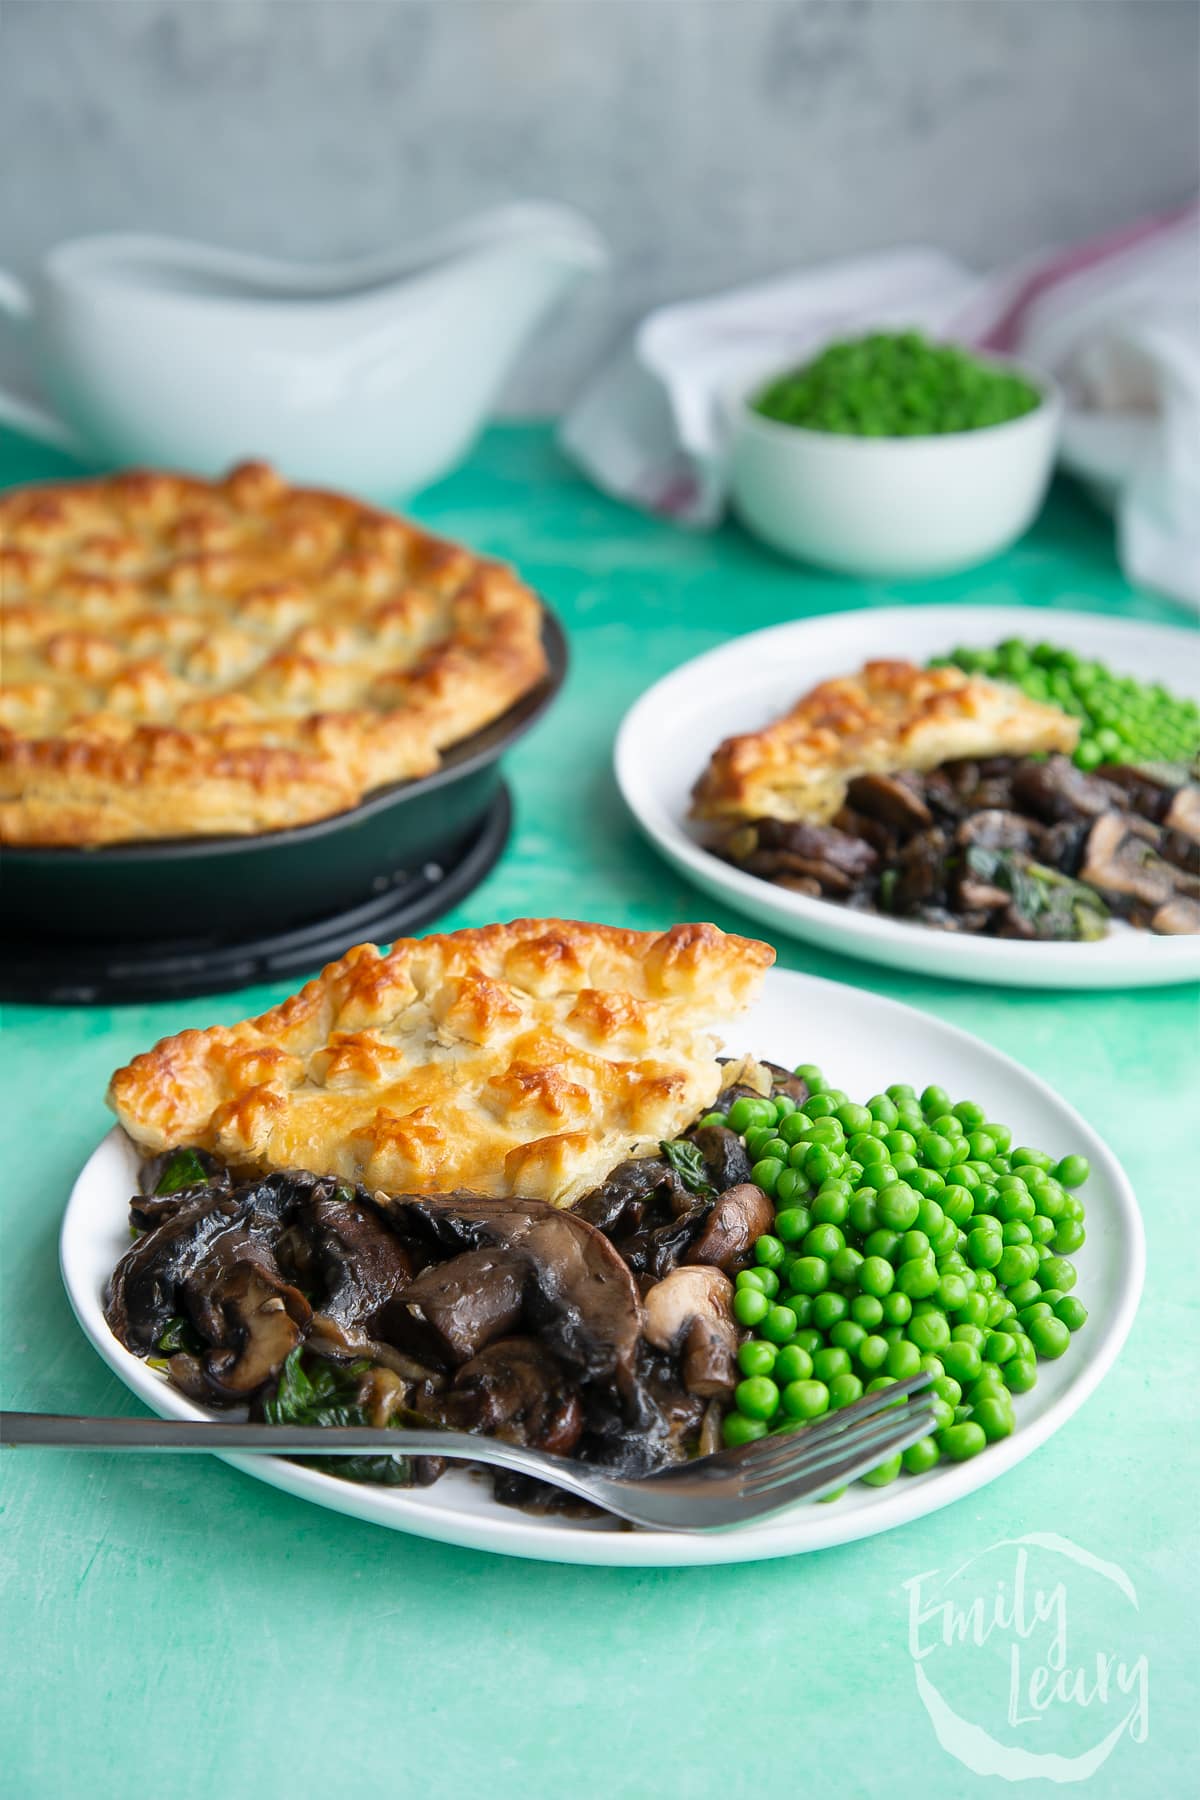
19, 411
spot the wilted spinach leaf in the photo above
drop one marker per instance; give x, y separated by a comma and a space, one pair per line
687, 1162
182, 1169
324, 1393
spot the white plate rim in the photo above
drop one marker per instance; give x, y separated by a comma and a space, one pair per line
508, 1532
1125, 959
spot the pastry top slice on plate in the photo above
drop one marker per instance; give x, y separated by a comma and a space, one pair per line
187, 657
889, 717
527, 1058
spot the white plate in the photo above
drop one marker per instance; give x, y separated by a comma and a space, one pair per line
669, 734
862, 1043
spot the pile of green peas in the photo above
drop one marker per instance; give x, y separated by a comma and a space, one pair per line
896, 384
1121, 720
910, 1234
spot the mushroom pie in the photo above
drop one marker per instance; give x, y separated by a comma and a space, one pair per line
950, 800
184, 657
303, 1243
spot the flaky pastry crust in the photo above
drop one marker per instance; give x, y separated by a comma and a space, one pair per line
888, 717
184, 657
527, 1058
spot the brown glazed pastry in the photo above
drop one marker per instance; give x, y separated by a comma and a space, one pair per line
184, 657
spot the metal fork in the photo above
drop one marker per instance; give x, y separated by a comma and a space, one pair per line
707, 1494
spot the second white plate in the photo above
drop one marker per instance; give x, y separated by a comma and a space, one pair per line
669, 734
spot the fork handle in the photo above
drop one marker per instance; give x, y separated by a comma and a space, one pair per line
61, 1431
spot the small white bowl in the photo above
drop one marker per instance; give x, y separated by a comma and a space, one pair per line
892, 506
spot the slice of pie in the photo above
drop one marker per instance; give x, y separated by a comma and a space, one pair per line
527, 1058
889, 717
185, 657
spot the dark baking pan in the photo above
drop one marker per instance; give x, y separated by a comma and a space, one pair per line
172, 888
52, 972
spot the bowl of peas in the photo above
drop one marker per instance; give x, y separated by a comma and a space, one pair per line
893, 455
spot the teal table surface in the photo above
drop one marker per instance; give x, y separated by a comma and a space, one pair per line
180, 1625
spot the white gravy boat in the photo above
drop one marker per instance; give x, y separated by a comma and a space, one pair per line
373, 375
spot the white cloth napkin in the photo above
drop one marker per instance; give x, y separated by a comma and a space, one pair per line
1116, 321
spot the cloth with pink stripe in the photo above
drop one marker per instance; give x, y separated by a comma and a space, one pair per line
1116, 321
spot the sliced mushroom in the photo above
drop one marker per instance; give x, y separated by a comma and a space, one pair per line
1120, 862
1056, 789
617, 1206
1179, 917
894, 800
691, 1310
453, 1310
262, 1319
725, 1155
740, 1216
515, 1389
995, 830
1183, 814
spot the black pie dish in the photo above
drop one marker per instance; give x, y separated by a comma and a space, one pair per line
170, 888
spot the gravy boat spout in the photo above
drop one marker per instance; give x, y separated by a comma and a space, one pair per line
375, 373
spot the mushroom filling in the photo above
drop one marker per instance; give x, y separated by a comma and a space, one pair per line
1006, 846
604, 1333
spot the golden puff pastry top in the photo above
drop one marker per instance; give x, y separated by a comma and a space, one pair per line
889, 717
527, 1058
185, 657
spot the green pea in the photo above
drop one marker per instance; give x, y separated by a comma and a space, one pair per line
824, 1241
1023, 1157
897, 1308
957, 1204
750, 1306
960, 1442
1049, 1337
867, 1311
779, 1324
746, 1113
757, 1397
872, 1352
757, 1139
713, 1118
793, 1363
738, 1429
766, 1173
885, 1473
1069, 1236
918, 1277
1071, 1312
935, 1100
883, 1109
844, 1390
808, 1338
876, 1277
1057, 1272
845, 1264
756, 1358
831, 1207
795, 1128
1000, 1347
829, 1310
927, 1182
994, 1417
1018, 1262
962, 1361
903, 1360
879, 1176
810, 1275
831, 1362
806, 1399
930, 1332
1073, 1171
952, 1292
792, 1223
768, 1251
810, 1075
984, 1248
847, 1334
898, 1206
864, 1215
922, 1456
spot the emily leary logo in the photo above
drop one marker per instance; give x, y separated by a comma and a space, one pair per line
1008, 1688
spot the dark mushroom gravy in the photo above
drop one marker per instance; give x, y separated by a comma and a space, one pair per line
1011, 847
604, 1332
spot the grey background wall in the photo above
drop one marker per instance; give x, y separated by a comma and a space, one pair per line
712, 140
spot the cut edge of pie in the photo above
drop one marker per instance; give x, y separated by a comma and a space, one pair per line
526, 1058
192, 658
